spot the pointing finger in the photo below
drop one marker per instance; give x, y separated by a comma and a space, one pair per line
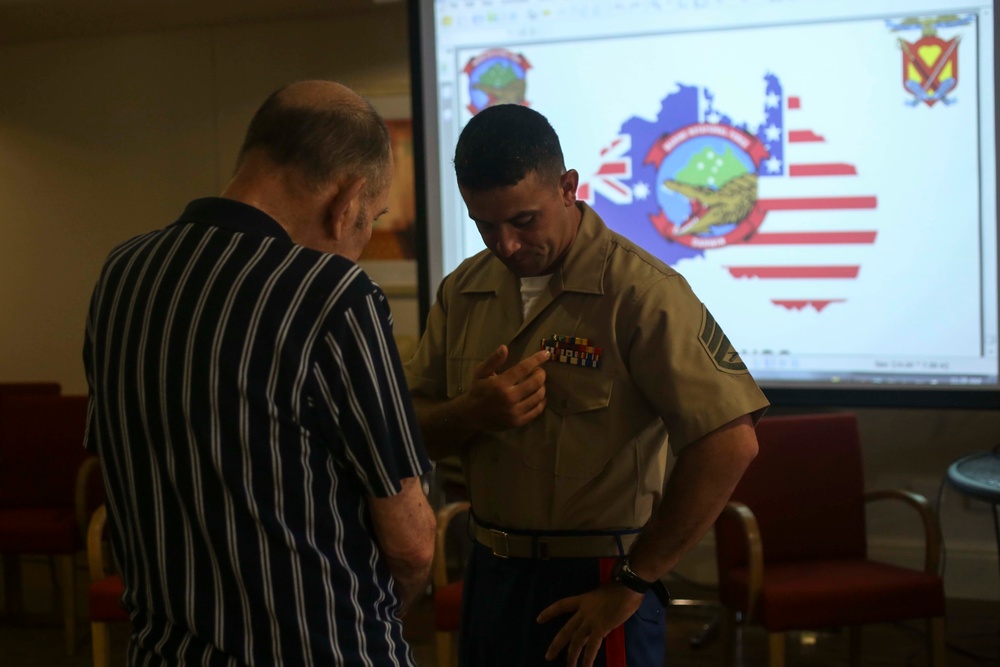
525, 367
490, 364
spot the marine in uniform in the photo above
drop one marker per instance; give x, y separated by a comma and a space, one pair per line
558, 364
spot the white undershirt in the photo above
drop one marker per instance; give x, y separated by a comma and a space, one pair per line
531, 289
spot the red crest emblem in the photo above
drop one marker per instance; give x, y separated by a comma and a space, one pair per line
930, 68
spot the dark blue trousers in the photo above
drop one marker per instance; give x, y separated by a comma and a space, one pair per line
503, 597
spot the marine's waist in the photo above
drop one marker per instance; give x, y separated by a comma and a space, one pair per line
545, 544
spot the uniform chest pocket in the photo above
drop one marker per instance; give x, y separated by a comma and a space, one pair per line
580, 400
460, 373
570, 390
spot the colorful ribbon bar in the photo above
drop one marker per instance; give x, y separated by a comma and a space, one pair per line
573, 350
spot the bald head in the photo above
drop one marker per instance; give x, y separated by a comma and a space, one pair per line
320, 96
324, 130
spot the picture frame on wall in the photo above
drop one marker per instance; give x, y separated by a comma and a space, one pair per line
390, 257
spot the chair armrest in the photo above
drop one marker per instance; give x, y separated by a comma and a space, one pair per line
755, 551
89, 473
444, 517
932, 527
95, 543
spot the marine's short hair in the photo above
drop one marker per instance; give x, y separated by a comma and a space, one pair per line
349, 140
504, 143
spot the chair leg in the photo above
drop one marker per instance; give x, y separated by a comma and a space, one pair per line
854, 645
935, 633
776, 649
99, 636
67, 584
55, 575
729, 638
444, 649
13, 598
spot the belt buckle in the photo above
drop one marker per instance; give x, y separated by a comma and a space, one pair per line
498, 538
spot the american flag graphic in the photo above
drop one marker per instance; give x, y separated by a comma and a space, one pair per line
806, 196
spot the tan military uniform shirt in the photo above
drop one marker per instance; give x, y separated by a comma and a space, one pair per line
594, 459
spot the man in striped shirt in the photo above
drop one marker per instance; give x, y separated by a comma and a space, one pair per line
247, 402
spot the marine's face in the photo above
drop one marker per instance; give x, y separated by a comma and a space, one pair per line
528, 226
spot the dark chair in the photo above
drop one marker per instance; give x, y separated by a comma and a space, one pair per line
12, 562
447, 594
29, 388
48, 484
104, 599
792, 545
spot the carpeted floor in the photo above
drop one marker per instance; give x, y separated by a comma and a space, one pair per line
36, 639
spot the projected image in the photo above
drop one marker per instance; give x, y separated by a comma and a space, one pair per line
822, 179
823, 172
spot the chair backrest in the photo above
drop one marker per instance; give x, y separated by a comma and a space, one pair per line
806, 490
29, 388
11, 388
41, 449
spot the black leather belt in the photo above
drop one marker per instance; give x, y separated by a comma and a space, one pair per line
507, 544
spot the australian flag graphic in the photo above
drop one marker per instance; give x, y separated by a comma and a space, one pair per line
696, 180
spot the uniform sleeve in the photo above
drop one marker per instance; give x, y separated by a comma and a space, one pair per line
684, 364
367, 398
426, 371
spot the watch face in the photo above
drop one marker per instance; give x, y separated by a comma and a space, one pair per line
621, 573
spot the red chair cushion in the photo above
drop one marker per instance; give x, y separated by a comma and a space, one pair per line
448, 607
39, 531
105, 600
820, 594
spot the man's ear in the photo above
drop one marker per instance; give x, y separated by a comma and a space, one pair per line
343, 203
568, 183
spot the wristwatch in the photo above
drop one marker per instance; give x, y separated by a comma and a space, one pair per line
623, 574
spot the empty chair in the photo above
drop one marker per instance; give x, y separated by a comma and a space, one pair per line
11, 562
47, 484
792, 546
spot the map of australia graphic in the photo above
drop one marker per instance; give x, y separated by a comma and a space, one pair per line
695, 180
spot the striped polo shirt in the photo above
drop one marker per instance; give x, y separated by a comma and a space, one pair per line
246, 396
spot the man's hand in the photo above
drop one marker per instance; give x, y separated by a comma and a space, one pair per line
595, 614
509, 399
494, 401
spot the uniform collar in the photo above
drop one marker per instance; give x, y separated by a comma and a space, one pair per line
234, 216
582, 270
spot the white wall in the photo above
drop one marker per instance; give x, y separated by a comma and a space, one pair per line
104, 138
98, 141
101, 139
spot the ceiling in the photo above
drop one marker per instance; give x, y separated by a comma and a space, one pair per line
24, 21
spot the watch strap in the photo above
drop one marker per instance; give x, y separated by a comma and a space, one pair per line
624, 575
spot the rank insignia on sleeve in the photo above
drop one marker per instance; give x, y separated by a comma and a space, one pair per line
717, 344
573, 350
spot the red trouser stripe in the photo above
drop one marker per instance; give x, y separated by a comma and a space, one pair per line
614, 643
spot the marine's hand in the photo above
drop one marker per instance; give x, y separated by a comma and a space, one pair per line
595, 614
511, 398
